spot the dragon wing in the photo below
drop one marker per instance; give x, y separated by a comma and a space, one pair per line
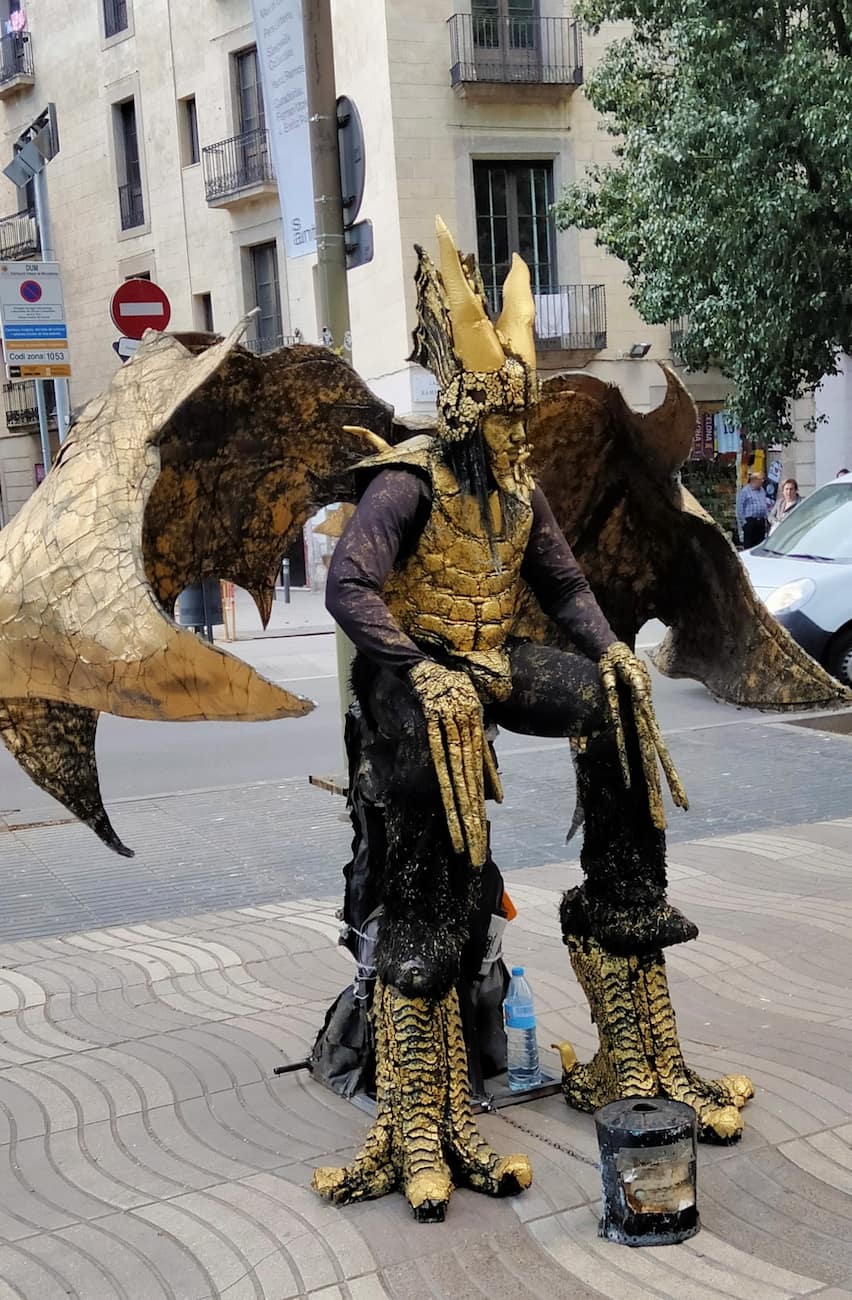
650, 551
200, 460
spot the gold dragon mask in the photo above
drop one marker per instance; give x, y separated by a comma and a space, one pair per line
482, 369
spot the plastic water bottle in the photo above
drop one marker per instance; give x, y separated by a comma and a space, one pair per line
519, 1014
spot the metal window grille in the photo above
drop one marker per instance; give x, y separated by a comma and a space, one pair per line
131, 205
515, 46
237, 164
16, 56
18, 236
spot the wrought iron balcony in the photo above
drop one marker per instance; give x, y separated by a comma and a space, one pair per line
18, 236
571, 318
115, 17
20, 406
238, 169
270, 342
131, 205
524, 50
16, 63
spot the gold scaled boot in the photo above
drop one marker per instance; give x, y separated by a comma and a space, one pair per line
424, 1139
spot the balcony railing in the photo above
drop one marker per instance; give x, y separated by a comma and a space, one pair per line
20, 406
115, 17
510, 50
18, 236
131, 205
235, 165
571, 317
16, 59
269, 342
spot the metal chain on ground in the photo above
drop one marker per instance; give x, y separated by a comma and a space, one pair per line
490, 1109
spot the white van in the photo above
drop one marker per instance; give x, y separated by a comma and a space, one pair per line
803, 574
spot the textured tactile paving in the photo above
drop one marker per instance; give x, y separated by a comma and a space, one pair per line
148, 1153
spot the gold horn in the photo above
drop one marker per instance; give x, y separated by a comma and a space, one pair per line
670, 428
517, 319
474, 338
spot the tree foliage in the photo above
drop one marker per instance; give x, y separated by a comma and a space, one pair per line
730, 198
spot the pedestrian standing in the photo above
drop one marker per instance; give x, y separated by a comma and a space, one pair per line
752, 509
788, 499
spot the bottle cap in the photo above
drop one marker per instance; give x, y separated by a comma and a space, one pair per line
517, 970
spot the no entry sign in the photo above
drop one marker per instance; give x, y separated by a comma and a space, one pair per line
139, 305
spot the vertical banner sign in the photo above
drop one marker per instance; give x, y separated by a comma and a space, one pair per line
281, 55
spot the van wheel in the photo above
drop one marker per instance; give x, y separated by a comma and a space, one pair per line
838, 661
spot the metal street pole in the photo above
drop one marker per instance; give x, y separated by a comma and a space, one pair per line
331, 242
48, 254
325, 165
43, 431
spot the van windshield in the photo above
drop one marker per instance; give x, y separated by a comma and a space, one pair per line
818, 529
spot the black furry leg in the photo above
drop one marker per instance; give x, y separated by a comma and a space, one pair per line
622, 901
428, 891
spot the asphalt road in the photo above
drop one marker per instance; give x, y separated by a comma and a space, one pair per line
144, 759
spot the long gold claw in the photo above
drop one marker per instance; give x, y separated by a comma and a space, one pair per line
495, 785
453, 716
619, 662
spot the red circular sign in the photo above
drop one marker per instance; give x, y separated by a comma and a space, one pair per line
30, 291
139, 305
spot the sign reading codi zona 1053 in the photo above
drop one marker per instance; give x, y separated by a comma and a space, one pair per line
32, 318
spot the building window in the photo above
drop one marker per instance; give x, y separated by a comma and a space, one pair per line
139, 275
268, 330
251, 114
130, 202
512, 202
190, 154
508, 24
203, 312
115, 17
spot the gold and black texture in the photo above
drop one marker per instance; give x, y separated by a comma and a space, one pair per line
424, 1140
200, 460
619, 663
457, 745
639, 1053
459, 589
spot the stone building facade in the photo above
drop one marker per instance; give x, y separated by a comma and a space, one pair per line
472, 109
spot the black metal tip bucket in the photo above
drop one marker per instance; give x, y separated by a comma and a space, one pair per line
647, 1147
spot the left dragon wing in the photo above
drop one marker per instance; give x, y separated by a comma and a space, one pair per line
200, 460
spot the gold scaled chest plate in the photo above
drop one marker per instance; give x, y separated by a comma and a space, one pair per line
459, 589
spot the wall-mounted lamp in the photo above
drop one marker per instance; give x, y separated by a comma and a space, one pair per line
639, 350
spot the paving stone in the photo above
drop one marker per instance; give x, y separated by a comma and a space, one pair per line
149, 1151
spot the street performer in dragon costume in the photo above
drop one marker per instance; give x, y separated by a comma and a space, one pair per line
429, 582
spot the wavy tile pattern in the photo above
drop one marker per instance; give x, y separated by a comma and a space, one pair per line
148, 1153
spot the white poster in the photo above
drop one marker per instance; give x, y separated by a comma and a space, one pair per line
281, 55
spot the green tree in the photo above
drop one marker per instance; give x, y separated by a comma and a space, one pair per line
730, 197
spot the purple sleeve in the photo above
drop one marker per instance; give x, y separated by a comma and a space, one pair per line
560, 584
386, 524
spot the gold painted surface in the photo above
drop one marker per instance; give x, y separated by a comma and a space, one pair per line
455, 339
459, 589
639, 1053
457, 744
619, 663
424, 1137
79, 621
516, 322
